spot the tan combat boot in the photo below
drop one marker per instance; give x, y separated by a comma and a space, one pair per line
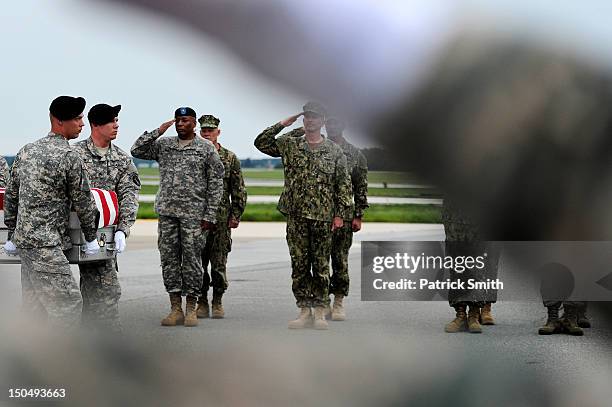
553, 324
191, 318
203, 311
459, 323
486, 318
217, 307
176, 316
338, 313
472, 320
304, 320
583, 320
319, 318
569, 321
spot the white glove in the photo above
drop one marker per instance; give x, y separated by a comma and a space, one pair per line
119, 241
92, 247
10, 248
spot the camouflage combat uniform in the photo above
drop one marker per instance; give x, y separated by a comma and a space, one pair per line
342, 239
190, 189
219, 241
4, 172
47, 180
317, 189
464, 239
99, 284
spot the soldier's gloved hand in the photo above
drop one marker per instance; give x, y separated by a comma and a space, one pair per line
337, 223
92, 247
356, 224
233, 223
10, 248
120, 241
206, 225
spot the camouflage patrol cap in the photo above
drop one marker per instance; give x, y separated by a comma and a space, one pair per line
208, 121
314, 107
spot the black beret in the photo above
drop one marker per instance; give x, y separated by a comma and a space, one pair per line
102, 113
185, 111
67, 107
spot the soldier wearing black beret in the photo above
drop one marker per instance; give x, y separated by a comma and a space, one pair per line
108, 167
47, 181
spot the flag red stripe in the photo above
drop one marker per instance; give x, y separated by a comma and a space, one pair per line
116, 205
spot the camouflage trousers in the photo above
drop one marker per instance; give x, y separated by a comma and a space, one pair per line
473, 297
180, 243
218, 245
48, 288
309, 244
101, 292
342, 239
580, 305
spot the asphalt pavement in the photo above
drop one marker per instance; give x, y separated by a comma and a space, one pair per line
392, 351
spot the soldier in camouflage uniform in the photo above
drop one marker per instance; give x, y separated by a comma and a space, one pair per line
4, 172
47, 180
219, 241
342, 238
190, 189
316, 197
464, 239
110, 168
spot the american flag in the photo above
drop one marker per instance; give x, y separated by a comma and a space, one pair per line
107, 204
106, 201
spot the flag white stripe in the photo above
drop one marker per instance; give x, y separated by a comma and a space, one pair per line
111, 207
96, 194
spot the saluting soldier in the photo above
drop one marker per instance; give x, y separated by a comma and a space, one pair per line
110, 168
315, 199
219, 241
190, 189
47, 180
342, 238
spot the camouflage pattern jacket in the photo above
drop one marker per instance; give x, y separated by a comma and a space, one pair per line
4, 172
358, 170
458, 227
114, 172
191, 178
233, 188
317, 184
47, 180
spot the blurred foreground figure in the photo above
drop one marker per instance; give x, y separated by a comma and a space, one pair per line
47, 180
511, 120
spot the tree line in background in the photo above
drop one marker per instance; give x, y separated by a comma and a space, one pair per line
378, 160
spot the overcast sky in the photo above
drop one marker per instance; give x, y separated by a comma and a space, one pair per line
117, 56
113, 54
